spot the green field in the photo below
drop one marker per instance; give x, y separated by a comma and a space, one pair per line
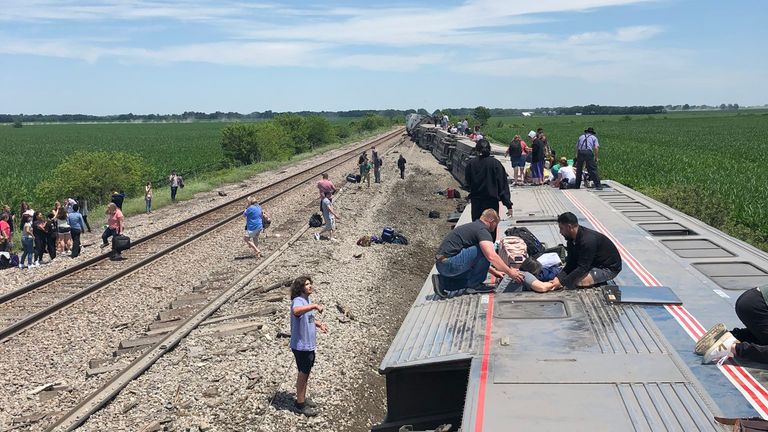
708, 165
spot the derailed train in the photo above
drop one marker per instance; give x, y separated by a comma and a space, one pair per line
453, 151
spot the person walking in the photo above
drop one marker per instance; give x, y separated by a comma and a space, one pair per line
376, 165
304, 325
401, 166
487, 182
76, 226
27, 242
148, 197
115, 222
330, 216
325, 185
84, 211
174, 180
587, 147
253, 225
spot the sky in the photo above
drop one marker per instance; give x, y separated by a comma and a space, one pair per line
106, 57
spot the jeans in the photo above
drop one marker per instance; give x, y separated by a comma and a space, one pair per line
109, 232
148, 205
87, 225
75, 242
28, 243
468, 268
173, 192
588, 158
377, 175
753, 312
402, 173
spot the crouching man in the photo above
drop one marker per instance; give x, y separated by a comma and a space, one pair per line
466, 254
592, 258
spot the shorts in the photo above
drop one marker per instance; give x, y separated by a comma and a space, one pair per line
518, 162
63, 230
304, 360
330, 224
253, 235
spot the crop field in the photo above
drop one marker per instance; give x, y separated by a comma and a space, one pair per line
33, 151
708, 165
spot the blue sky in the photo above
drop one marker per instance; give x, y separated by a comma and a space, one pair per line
168, 56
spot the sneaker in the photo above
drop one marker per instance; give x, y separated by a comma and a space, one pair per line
103, 245
306, 410
317, 236
309, 402
720, 351
21, 266
709, 338
479, 289
439, 292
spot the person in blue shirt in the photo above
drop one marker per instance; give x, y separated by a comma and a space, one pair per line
304, 327
253, 224
76, 225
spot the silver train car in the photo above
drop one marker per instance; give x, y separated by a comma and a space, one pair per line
576, 360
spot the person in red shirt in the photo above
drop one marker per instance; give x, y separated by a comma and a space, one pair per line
325, 185
114, 224
5, 233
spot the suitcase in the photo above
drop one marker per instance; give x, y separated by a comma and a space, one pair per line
120, 243
512, 250
388, 235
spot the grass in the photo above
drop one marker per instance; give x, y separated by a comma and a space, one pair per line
708, 165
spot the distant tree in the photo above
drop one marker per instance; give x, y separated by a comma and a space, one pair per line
297, 129
17, 123
319, 131
723, 106
735, 106
481, 115
422, 111
95, 175
686, 107
249, 143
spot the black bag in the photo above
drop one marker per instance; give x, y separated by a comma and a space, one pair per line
316, 221
388, 235
456, 194
400, 239
120, 243
535, 248
351, 178
434, 214
265, 221
560, 250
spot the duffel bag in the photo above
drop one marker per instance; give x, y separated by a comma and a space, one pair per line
121, 242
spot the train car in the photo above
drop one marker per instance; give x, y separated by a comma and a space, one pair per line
462, 154
444, 146
575, 360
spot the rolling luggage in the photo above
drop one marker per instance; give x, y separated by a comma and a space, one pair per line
120, 243
512, 250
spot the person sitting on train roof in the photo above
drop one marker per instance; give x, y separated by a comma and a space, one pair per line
592, 258
563, 174
749, 343
465, 256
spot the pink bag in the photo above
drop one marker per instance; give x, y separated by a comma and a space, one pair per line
513, 251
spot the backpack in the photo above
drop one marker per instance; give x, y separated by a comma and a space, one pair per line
351, 178
316, 221
388, 235
535, 248
512, 250
400, 239
434, 214
515, 149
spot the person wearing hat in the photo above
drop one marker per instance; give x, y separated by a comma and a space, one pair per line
587, 147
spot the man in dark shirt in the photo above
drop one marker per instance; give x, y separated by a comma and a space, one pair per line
117, 198
537, 160
592, 257
487, 182
466, 254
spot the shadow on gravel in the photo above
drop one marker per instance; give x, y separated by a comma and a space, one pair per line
283, 401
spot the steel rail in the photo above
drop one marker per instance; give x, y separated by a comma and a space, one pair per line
37, 316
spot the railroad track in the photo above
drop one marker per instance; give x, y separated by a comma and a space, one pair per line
26, 306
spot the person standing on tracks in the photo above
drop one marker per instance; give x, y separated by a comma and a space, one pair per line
148, 197
329, 215
401, 166
303, 343
487, 182
587, 147
517, 152
41, 236
175, 182
466, 254
84, 211
376, 160
325, 185
115, 222
365, 170
253, 225
76, 226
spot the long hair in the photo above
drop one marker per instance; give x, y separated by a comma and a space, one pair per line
297, 287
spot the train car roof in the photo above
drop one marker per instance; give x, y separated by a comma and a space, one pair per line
568, 360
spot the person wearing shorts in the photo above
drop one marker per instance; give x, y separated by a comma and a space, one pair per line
304, 327
592, 258
253, 225
329, 215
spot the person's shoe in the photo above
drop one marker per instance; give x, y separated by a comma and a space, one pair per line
317, 236
103, 245
720, 351
21, 266
479, 289
709, 338
305, 410
309, 402
436, 286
